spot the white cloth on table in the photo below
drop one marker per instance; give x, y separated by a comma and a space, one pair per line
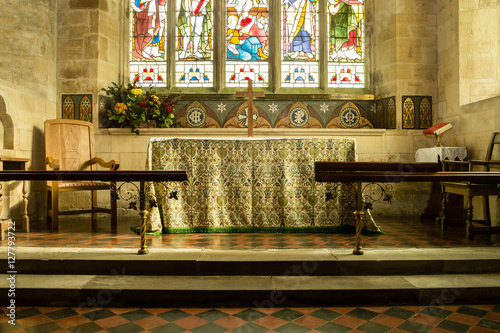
436, 154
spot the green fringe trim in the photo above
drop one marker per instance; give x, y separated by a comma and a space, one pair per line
188, 230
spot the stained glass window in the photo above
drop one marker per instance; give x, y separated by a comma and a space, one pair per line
194, 50
346, 43
148, 42
187, 57
247, 41
299, 54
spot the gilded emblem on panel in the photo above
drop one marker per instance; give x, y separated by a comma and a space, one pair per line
391, 114
102, 104
408, 113
349, 116
86, 109
197, 115
239, 118
299, 116
68, 111
425, 113
242, 116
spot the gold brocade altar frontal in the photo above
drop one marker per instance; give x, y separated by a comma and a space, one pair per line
237, 184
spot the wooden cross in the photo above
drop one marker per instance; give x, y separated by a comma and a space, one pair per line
250, 94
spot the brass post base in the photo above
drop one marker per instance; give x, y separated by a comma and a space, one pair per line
358, 250
143, 249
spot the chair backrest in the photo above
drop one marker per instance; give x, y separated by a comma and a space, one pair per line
494, 144
70, 142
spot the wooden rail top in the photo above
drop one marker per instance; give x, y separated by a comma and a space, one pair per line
387, 172
377, 166
101, 175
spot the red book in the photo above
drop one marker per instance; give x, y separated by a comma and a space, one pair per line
438, 129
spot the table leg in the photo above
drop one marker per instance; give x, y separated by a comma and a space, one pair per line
470, 227
143, 213
25, 222
358, 214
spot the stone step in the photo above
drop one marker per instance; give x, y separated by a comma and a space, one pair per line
121, 290
250, 278
276, 262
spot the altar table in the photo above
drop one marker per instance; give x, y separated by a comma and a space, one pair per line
247, 184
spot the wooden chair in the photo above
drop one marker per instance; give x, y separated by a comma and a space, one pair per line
69, 145
470, 190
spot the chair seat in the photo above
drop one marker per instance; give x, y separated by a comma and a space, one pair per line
470, 189
81, 185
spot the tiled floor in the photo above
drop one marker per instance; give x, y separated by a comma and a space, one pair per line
399, 232
447, 318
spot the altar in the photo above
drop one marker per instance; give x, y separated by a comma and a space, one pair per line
249, 185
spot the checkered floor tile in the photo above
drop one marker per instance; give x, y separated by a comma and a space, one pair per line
443, 318
399, 232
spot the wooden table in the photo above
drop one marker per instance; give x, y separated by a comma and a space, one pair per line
16, 163
387, 172
249, 185
100, 175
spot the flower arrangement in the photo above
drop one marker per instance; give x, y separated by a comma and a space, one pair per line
133, 106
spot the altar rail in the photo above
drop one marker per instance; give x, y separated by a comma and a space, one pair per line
106, 176
389, 172
396, 172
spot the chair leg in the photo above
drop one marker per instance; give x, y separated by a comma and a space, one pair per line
443, 209
48, 196
114, 208
54, 204
93, 195
470, 227
486, 208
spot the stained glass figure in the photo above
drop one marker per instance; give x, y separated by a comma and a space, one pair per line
299, 57
194, 51
148, 42
346, 43
247, 43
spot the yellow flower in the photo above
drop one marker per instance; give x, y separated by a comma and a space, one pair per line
120, 108
136, 91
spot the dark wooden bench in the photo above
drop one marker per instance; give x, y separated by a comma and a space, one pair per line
105, 176
389, 172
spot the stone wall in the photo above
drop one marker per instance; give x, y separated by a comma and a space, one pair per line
27, 89
474, 122
479, 47
88, 46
